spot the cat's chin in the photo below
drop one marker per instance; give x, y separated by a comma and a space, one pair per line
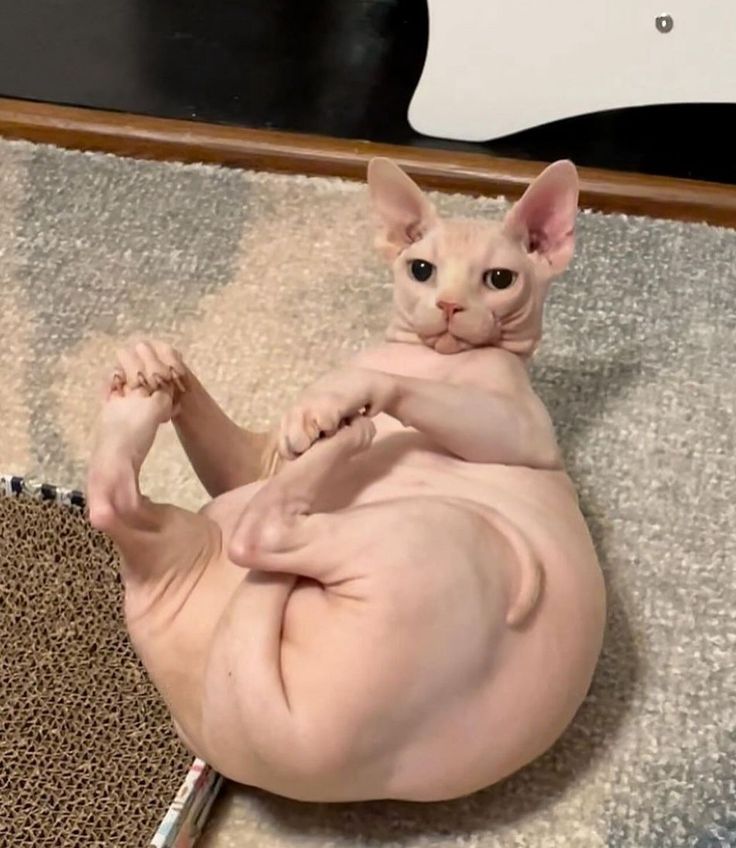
447, 343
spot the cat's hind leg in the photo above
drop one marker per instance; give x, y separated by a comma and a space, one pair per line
154, 539
280, 513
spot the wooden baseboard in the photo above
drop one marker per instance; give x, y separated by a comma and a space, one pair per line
471, 173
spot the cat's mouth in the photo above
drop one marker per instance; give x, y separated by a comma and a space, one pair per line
466, 331
446, 342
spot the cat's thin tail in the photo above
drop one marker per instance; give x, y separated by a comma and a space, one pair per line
530, 572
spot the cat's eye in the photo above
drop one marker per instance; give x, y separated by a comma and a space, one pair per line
499, 278
421, 270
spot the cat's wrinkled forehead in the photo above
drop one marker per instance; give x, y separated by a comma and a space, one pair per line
470, 237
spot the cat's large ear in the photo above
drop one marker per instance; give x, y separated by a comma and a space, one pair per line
544, 218
404, 212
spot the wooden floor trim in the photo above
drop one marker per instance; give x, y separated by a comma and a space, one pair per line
471, 173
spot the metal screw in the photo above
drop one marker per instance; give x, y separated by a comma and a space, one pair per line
664, 23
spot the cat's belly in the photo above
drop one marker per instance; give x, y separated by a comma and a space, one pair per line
464, 741
340, 663
403, 463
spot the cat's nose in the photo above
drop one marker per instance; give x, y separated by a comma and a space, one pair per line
449, 308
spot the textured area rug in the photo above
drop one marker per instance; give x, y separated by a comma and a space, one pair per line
88, 753
266, 281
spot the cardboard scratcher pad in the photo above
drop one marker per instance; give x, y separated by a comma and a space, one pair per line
88, 755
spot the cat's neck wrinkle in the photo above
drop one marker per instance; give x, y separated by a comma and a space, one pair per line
396, 333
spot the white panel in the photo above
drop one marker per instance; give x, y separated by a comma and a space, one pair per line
495, 67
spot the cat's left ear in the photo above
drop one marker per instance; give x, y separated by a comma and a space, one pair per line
404, 212
544, 218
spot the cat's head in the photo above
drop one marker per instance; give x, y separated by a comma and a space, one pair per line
461, 284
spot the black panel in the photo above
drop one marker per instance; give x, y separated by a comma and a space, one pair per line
345, 68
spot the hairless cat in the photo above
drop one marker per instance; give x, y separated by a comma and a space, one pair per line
411, 605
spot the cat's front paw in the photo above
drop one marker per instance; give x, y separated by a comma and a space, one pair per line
316, 417
330, 403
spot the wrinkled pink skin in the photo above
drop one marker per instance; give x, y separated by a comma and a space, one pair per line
412, 606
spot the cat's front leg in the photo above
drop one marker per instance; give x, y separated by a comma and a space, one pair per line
332, 402
223, 454
478, 424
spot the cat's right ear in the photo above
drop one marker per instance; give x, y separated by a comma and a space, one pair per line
404, 213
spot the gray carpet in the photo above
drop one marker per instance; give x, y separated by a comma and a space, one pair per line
266, 281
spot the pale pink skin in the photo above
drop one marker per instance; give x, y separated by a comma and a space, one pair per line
412, 607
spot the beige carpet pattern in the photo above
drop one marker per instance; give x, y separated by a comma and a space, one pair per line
266, 281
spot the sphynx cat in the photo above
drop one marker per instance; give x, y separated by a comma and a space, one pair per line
411, 607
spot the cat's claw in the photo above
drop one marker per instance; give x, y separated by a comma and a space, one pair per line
142, 383
148, 367
301, 427
117, 381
